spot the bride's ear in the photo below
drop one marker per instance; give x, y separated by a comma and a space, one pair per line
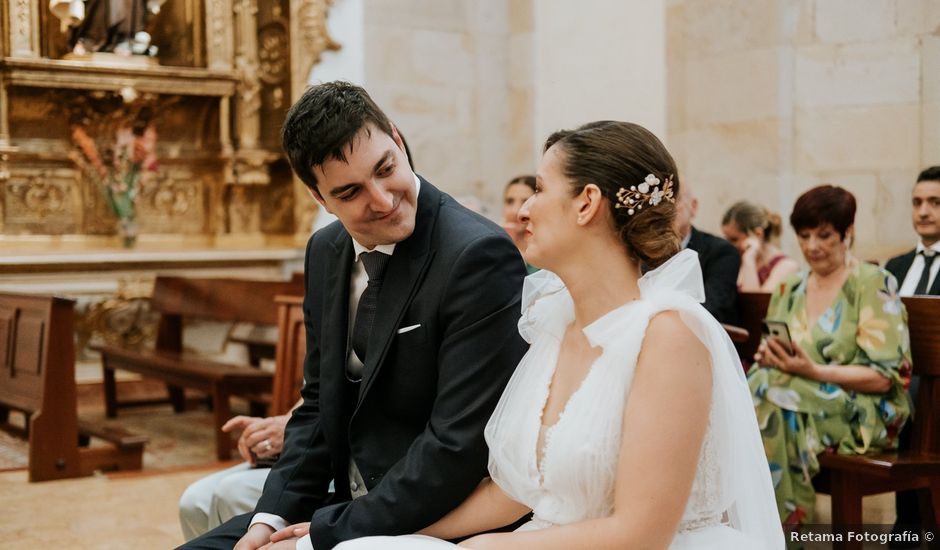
589, 203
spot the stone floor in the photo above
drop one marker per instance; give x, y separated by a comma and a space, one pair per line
134, 511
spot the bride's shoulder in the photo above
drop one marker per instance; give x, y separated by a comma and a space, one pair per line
670, 339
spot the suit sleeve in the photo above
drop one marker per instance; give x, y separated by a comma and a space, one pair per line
479, 349
721, 282
893, 266
299, 480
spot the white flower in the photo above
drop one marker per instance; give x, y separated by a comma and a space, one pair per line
643, 188
652, 180
656, 196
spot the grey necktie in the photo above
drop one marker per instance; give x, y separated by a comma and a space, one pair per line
374, 264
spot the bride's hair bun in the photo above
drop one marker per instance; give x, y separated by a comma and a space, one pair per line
616, 156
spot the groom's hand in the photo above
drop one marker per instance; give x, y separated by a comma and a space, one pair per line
257, 536
296, 530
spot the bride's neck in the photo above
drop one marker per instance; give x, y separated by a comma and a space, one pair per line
599, 282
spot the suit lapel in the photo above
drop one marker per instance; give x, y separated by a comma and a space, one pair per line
403, 275
904, 265
336, 320
934, 289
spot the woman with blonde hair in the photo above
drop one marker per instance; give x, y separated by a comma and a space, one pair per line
754, 231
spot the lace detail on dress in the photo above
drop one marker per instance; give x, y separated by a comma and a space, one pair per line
704, 505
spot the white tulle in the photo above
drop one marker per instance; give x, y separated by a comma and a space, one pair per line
732, 503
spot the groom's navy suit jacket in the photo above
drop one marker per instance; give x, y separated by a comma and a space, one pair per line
414, 424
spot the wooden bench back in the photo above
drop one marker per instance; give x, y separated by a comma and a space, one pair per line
233, 300
923, 318
752, 309
290, 354
37, 376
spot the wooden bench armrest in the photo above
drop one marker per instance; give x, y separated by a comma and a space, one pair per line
738, 335
112, 434
896, 464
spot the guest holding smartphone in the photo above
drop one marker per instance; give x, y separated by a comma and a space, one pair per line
843, 388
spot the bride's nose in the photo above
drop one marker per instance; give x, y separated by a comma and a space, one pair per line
523, 215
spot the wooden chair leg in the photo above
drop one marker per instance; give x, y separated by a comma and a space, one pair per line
110, 393
221, 412
177, 398
846, 507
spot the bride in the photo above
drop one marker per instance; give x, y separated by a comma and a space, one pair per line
628, 424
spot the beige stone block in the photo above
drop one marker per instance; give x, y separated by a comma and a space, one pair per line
521, 60
676, 91
930, 134
442, 15
732, 88
893, 212
839, 21
859, 139
918, 17
387, 55
717, 192
741, 148
930, 68
488, 16
676, 56
802, 16
445, 58
524, 145
858, 74
721, 27
521, 16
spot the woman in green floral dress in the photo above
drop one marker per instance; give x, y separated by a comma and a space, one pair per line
843, 387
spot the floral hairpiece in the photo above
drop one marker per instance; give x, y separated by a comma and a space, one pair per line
647, 192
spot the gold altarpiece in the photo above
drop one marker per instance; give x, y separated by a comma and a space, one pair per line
227, 72
221, 201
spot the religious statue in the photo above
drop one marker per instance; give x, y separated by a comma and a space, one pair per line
116, 26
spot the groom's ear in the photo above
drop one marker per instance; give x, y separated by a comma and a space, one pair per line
589, 204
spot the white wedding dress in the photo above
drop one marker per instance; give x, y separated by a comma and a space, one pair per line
572, 479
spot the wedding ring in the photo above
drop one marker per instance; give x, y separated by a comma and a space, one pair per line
266, 444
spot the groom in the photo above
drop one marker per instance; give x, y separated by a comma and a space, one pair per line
411, 305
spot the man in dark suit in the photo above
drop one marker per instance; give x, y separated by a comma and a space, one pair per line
916, 272
411, 305
719, 259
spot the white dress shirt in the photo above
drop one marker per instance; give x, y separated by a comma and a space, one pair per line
917, 269
358, 281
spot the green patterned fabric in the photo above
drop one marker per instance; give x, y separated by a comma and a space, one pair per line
800, 418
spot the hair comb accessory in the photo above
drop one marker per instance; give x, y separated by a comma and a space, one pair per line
650, 192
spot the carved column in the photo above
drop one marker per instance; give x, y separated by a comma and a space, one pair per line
250, 159
309, 39
219, 35
24, 28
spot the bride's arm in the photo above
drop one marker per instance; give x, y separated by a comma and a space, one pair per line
487, 508
664, 425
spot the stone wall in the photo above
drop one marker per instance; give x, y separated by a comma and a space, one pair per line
768, 98
455, 76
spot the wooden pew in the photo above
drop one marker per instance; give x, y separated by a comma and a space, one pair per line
849, 478
290, 353
176, 298
37, 378
752, 309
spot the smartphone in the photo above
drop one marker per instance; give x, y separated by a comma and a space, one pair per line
780, 331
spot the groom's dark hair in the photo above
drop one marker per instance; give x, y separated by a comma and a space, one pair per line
323, 124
